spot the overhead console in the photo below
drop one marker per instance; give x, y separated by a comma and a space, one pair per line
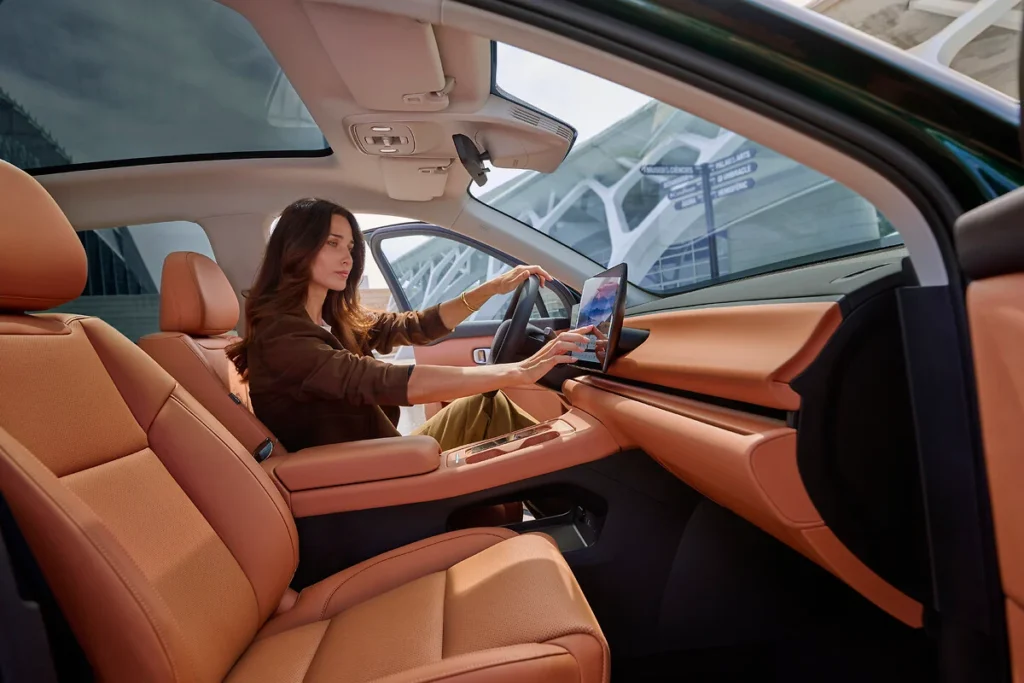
416, 85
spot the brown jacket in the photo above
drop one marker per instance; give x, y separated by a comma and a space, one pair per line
311, 387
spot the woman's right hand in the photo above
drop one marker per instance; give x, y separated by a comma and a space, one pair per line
555, 352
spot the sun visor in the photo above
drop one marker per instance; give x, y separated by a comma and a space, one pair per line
415, 179
389, 63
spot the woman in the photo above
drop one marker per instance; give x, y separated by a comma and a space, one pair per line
307, 350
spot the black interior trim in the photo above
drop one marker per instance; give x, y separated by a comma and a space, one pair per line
181, 159
857, 448
967, 588
752, 408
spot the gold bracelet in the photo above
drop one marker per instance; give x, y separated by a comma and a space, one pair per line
463, 297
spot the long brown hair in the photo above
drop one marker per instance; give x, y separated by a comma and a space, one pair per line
282, 283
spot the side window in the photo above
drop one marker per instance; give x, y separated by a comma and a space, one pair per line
125, 266
432, 269
373, 288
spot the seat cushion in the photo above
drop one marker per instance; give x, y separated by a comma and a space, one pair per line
472, 605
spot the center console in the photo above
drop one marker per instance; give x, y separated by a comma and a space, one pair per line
361, 475
509, 443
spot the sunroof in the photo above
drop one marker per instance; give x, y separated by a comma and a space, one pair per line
114, 82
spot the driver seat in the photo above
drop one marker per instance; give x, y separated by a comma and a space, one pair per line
198, 313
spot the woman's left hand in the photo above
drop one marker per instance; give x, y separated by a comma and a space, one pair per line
507, 282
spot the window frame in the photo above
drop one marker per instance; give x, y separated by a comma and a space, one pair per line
375, 236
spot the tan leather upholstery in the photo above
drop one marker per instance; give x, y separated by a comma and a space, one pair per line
446, 587
168, 548
42, 263
358, 461
995, 308
197, 306
196, 297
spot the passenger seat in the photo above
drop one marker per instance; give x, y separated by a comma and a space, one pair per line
198, 308
170, 550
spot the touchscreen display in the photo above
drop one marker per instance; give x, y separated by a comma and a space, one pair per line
597, 307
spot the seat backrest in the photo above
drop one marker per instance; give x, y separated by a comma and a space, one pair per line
198, 309
165, 544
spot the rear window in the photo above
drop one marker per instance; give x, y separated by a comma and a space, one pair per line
125, 267
126, 81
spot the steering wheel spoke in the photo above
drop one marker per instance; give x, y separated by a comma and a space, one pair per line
512, 332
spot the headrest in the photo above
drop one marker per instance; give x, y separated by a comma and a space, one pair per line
42, 261
195, 296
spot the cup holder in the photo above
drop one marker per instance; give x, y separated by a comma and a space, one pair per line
524, 443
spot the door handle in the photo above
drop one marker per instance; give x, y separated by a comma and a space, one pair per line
481, 356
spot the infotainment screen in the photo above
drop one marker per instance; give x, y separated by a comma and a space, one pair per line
602, 304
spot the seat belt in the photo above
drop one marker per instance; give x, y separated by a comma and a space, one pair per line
24, 649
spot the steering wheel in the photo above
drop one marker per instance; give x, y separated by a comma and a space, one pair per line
512, 332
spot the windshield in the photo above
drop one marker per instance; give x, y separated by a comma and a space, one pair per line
682, 201
119, 81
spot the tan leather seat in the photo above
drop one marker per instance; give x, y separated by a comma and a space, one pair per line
197, 310
170, 551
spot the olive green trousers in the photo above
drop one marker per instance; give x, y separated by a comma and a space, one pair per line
475, 418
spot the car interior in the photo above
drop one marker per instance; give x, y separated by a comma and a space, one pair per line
740, 494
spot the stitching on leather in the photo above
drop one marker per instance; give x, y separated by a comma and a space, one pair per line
316, 650
251, 473
483, 666
92, 343
600, 643
198, 354
198, 292
213, 373
327, 602
103, 553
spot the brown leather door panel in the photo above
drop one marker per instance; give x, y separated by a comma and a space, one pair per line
543, 404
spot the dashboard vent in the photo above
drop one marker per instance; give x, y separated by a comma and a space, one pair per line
534, 119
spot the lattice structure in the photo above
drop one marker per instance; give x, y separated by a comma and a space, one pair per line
600, 203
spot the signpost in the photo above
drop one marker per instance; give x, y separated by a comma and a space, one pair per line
690, 186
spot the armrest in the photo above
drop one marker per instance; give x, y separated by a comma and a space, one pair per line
359, 461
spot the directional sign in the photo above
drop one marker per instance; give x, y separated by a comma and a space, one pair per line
679, 180
732, 189
670, 169
679, 192
733, 173
692, 200
745, 155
